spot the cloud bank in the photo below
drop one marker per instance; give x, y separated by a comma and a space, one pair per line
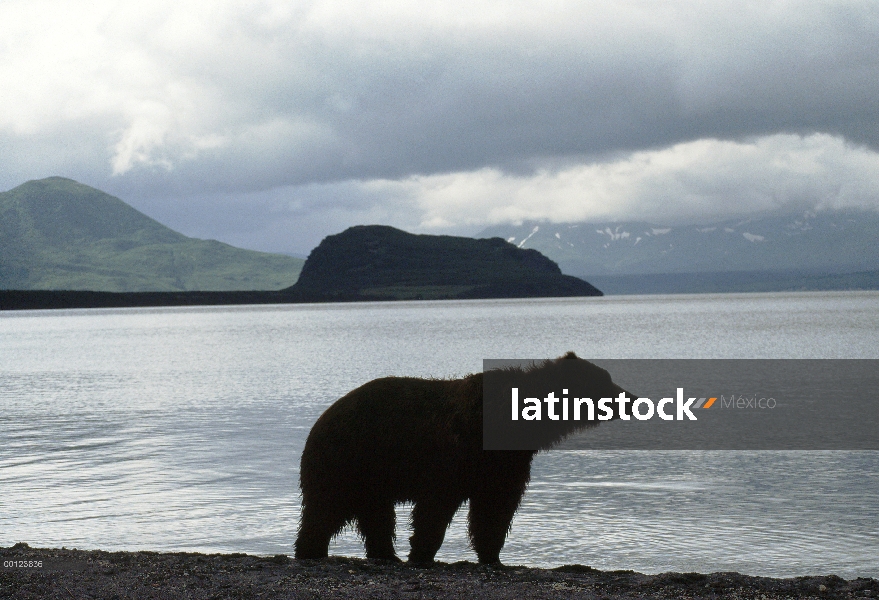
702, 180
601, 108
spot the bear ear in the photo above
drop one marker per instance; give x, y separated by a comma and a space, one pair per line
570, 355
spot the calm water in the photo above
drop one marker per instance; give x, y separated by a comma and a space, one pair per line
181, 428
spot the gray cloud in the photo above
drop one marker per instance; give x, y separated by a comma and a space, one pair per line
174, 103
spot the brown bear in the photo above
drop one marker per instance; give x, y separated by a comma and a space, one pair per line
398, 439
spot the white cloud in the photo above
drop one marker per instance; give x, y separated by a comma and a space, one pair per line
694, 181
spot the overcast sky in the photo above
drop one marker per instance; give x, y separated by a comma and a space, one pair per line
270, 124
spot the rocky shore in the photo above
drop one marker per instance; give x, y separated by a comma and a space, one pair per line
67, 574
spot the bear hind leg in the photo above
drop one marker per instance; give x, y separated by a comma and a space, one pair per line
430, 519
317, 527
376, 524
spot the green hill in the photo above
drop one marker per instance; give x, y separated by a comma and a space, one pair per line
56, 233
379, 262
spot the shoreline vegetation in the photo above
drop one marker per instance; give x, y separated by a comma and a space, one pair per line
70, 573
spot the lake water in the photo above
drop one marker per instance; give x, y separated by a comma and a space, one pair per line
181, 428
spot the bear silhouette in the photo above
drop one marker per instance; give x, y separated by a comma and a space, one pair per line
399, 439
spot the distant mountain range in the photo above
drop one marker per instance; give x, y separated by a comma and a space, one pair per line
376, 262
58, 234
810, 250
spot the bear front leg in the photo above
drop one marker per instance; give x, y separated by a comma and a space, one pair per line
489, 522
430, 519
376, 523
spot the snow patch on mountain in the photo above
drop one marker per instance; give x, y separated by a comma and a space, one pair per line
533, 231
614, 234
827, 241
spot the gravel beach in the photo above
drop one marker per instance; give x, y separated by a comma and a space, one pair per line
79, 574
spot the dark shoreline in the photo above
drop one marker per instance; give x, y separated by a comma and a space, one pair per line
64, 299
60, 299
65, 573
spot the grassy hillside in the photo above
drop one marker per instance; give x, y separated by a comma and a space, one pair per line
56, 233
